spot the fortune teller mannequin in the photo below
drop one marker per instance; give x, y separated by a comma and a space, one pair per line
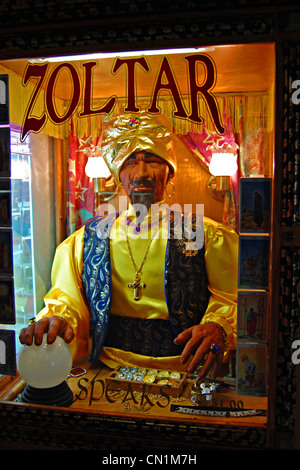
148, 300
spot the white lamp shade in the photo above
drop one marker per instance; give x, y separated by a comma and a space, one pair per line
47, 365
223, 164
97, 168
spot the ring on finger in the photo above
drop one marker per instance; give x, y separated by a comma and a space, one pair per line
214, 348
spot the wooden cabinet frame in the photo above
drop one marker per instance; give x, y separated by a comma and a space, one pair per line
42, 428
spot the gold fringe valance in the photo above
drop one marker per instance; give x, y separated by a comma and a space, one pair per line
255, 109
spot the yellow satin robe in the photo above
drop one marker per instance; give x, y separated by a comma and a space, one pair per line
66, 296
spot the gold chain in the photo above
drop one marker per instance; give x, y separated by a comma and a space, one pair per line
135, 267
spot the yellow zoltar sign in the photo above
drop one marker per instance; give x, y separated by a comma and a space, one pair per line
81, 83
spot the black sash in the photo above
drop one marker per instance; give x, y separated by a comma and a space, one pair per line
142, 336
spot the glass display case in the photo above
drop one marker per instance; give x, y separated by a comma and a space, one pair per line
22, 231
17, 288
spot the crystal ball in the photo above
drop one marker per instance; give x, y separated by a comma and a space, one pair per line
47, 365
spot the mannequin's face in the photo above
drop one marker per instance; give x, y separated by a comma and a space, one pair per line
144, 175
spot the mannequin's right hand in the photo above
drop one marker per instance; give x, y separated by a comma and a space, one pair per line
54, 326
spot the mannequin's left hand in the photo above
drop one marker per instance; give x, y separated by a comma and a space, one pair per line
199, 339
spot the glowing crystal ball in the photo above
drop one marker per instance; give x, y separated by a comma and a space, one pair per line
47, 365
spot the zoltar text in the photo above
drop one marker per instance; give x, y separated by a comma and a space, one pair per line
165, 80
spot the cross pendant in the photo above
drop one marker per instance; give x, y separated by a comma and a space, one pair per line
136, 285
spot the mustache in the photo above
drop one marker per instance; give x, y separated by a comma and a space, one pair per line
142, 182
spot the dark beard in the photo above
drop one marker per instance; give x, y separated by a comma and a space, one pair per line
142, 198
145, 198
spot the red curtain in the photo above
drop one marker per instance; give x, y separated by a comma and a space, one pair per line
199, 144
79, 187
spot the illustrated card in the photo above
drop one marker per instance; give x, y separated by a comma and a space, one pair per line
253, 317
254, 259
255, 205
251, 370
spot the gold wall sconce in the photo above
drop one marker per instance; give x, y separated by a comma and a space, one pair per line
223, 166
103, 182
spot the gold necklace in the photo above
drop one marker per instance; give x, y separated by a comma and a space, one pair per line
136, 285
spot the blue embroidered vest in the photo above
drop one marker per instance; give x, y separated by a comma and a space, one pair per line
186, 285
